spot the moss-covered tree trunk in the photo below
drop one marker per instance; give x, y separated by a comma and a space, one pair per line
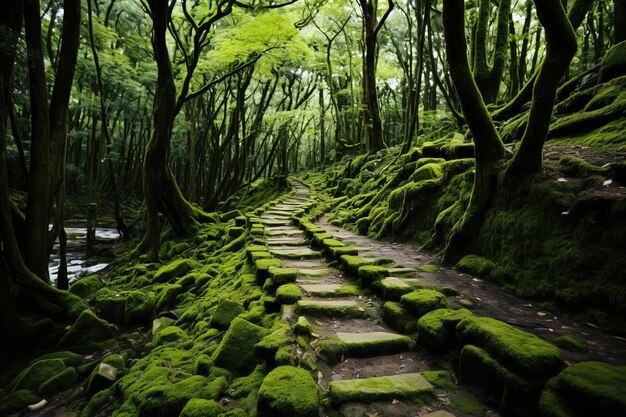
489, 149
160, 189
560, 49
371, 27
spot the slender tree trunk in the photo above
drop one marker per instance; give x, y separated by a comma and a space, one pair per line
619, 21
38, 200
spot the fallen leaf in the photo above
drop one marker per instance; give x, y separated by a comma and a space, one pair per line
541, 314
607, 183
561, 180
395, 402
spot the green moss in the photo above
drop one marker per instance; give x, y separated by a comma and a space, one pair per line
236, 350
262, 266
225, 313
36, 374
197, 407
398, 318
282, 276
170, 334
571, 343
266, 349
420, 302
429, 268
105, 373
138, 307
614, 64
288, 392
17, 401
302, 327
288, 294
64, 380
369, 274
362, 345
475, 265
173, 270
333, 308
436, 328
522, 352
86, 287
411, 387
68, 358
248, 385
332, 243
427, 171
86, 333
577, 167
167, 297
589, 388
351, 264
339, 251
459, 398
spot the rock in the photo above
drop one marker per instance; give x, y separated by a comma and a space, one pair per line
36, 374
288, 294
225, 313
175, 269
86, 287
585, 389
287, 392
436, 329
613, 64
58, 383
197, 407
86, 333
302, 327
398, 318
236, 350
332, 308
16, 401
368, 344
105, 374
420, 302
412, 387
170, 334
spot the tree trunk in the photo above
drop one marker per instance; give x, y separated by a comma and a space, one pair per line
489, 149
561, 47
619, 21
38, 201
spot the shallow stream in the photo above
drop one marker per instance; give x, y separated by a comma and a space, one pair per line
77, 264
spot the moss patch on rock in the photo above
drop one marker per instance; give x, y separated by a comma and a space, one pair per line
288, 391
420, 302
225, 312
236, 350
436, 328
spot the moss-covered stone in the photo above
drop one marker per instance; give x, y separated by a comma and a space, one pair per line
262, 266
139, 306
288, 391
170, 334
393, 288
436, 329
370, 274
167, 296
17, 401
420, 302
345, 345
236, 350
577, 167
225, 313
302, 327
281, 276
86, 333
333, 308
58, 383
288, 294
197, 407
175, 269
475, 265
267, 348
36, 374
571, 343
86, 287
522, 352
398, 318
410, 387
614, 62
584, 389
351, 264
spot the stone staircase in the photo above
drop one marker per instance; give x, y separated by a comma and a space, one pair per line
346, 319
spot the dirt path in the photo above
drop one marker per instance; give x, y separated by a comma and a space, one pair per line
485, 299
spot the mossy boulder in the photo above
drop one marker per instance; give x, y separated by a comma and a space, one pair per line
399, 319
36, 374
420, 302
197, 407
60, 382
86, 287
262, 266
577, 167
288, 391
519, 351
282, 276
170, 334
267, 348
105, 373
614, 62
175, 269
16, 401
436, 328
571, 343
351, 263
225, 313
370, 274
167, 296
236, 350
288, 294
475, 265
586, 389
123, 307
427, 171
87, 333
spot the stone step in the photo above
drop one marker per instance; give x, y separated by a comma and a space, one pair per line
284, 231
334, 308
285, 240
392, 288
363, 345
275, 222
329, 290
294, 252
411, 387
